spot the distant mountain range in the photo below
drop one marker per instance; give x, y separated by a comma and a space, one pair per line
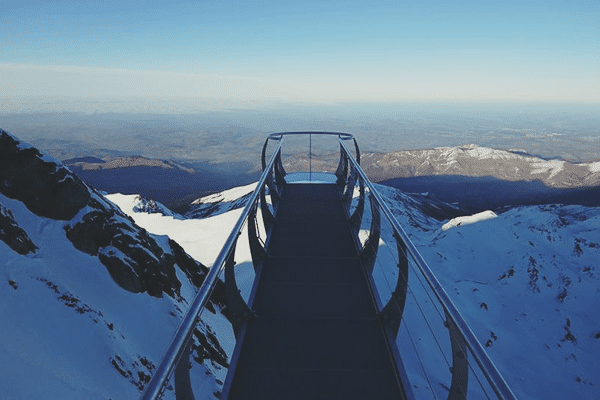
165, 181
94, 163
476, 177
475, 161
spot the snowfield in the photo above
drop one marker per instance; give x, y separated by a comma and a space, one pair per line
527, 281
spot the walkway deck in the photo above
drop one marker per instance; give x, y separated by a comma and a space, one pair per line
316, 335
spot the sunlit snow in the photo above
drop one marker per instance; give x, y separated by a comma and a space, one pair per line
469, 219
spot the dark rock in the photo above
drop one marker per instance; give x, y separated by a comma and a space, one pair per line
206, 346
132, 257
46, 189
122, 272
13, 235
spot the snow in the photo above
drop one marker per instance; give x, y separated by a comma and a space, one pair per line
523, 308
65, 321
552, 166
47, 343
200, 238
594, 167
227, 195
470, 219
524, 281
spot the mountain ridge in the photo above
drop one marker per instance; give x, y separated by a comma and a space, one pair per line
476, 161
89, 298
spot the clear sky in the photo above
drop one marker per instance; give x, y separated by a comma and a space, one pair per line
315, 51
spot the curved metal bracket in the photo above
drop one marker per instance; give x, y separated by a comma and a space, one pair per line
268, 218
256, 249
357, 151
264, 155
460, 363
238, 310
273, 189
347, 195
356, 218
273, 186
392, 313
279, 171
342, 169
183, 384
369, 251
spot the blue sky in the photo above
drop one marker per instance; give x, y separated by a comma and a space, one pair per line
376, 51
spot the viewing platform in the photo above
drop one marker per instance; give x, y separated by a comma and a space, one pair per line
318, 323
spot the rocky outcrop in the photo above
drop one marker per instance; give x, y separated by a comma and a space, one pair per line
13, 235
43, 200
132, 257
46, 188
150, 206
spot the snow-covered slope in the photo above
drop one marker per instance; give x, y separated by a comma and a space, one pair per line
220, 203
89, 299
527, 282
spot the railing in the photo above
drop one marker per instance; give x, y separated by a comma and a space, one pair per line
385, 245
414, 307
181, 341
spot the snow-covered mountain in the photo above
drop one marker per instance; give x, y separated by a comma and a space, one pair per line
94, 163
527, 282
89, 299
219, 203
473, 160
79, 310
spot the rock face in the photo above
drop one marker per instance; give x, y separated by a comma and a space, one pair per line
58, 240
133, 258
150, 206
13, 235
46, 188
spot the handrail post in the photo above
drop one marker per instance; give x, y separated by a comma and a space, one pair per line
183, 384
237, 308
368, 254
460, 363
182, 336
493, 376
392, 312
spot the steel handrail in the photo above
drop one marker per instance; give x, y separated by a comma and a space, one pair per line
341, 135
486, 365
184, 332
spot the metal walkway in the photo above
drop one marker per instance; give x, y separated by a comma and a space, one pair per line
325, 317
315, 334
